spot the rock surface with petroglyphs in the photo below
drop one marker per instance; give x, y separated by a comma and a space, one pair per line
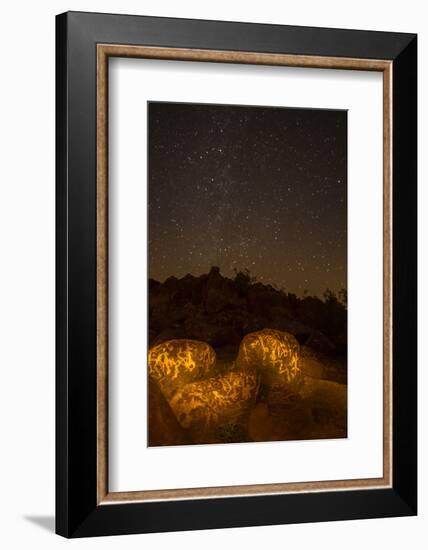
216, 409
175, 363
274, 354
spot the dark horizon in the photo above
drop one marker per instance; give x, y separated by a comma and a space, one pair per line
257, 188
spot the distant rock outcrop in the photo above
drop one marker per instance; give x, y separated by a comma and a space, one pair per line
221, 311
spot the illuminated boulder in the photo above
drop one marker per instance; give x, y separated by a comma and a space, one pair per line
216, 409
177, 362
273, 354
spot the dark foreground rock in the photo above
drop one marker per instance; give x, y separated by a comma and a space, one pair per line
164, 428
318, 411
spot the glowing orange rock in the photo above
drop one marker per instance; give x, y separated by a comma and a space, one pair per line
219, 403
272, 353
177, 362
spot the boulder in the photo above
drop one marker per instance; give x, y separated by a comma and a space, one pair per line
215, 408
164, 429
273, 354
177, 362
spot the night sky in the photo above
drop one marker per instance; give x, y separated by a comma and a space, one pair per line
262, 188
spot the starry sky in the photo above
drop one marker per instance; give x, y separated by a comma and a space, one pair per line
261, 188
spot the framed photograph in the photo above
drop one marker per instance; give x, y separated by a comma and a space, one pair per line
236, 274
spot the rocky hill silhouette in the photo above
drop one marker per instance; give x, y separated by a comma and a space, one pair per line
221, 311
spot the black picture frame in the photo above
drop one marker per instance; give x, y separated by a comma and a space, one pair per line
77, 511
